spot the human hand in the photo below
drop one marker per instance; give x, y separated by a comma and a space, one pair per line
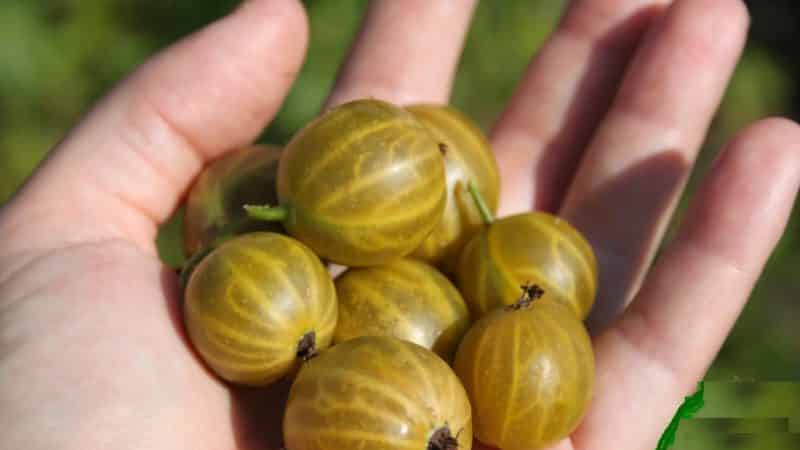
603, 129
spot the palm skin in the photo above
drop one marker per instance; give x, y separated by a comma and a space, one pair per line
92, 349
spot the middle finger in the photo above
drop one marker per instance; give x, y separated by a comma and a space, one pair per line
562, 96
637, 163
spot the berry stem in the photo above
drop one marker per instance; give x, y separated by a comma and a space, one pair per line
486, 214
530, 293
225, 233
443, 439
191, 263
267, 213
307, 347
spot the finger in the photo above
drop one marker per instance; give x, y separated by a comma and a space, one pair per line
634, 170
562, 97
406, 52
662, 345
124, 168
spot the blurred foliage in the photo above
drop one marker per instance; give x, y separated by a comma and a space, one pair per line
744, 415
59, 56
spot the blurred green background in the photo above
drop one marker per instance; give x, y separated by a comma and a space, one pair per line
58, 56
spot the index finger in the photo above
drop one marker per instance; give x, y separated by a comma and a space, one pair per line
406, 52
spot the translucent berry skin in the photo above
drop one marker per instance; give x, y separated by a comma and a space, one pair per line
250, 302
363, 184
530, 248
529, 374
378, 393
406, 299
214, 207
467, 157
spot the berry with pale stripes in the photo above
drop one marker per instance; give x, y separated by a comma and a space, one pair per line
378, 393
214, 205
467, 157
361, 185
259, 305
534, 247
529, 372
407, 299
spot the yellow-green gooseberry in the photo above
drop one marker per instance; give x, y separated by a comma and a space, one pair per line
378, 393
529, 372
407, 299
361, 185
214, 207
467, 157
533, 247
257, 306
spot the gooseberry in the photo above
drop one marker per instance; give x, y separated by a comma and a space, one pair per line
528, 369
533, 247
467, 158
407, 299
361, 185
377, 392
257, 305
214, 204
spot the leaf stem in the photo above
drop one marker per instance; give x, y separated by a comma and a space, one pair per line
267, 213
192, 262
486, 214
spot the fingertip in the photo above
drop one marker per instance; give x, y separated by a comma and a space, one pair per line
233, 74
771, 129
288, 17
403, 54
774, 141
732, 15
737, 12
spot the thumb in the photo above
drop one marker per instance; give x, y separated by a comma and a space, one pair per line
124, 168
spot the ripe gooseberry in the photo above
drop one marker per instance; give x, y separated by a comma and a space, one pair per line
534, 247
467, 157
361, 185
528, 369
257, 305
407, 299
214, 204
377, 392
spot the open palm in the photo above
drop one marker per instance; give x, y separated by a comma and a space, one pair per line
603, 129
